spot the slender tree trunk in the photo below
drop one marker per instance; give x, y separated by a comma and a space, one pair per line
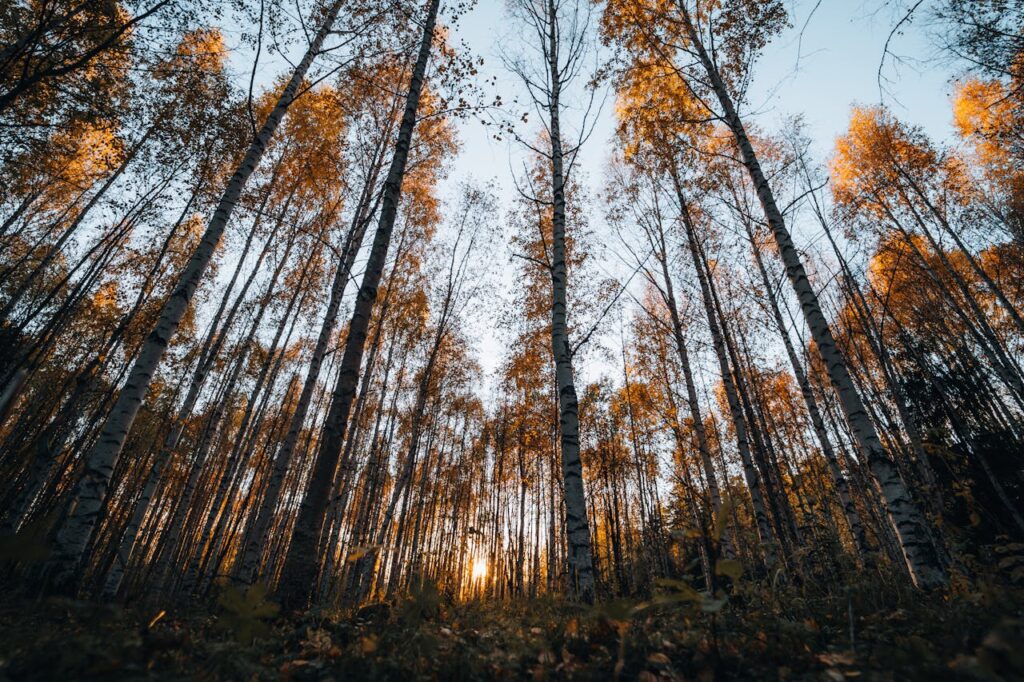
691, 388
300, 567
234, 459
256, 537
91, 490
54, 250
754, 486
404, 477
972, 261
905, 517
51, 441
30, 80
580, 561
838, 480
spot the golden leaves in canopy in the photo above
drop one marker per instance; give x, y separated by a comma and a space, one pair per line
377, 93
989, 115
629, 21
313, 140
653, 101
981, 108
653, 107
77, 157
870, 157
203, 50
741, 29
896, 273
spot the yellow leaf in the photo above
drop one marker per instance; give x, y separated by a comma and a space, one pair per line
367, 645
722, 517
729, 567
658, 658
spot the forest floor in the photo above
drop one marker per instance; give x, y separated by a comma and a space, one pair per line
870, 632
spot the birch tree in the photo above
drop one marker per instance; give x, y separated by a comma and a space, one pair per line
90, 492
563, 45
739, 30
300, 566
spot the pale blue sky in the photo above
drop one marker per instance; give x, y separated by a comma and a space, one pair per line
820, 77
838, 63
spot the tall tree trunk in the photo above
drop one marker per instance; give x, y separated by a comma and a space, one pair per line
50, 442
91, 490
256, 536
298, 578
693, 403
903, 513
750, 473
838, 480
234, 459
580, 560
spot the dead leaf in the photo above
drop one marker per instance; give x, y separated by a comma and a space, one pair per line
729, 568
367, 645
658, 658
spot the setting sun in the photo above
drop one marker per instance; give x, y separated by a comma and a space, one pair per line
479, 569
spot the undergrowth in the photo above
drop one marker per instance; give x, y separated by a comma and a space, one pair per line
868, 631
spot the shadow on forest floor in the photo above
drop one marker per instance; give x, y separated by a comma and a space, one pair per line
790, 636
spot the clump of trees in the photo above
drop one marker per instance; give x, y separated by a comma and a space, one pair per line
239, 328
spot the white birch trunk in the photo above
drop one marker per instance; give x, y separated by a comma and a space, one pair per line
750, 473
577, 527
838, 480
90, 493
256, 536
903, 512
298, 576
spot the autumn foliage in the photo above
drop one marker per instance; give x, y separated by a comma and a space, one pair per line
288, 391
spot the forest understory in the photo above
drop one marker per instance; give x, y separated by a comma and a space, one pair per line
866, 632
